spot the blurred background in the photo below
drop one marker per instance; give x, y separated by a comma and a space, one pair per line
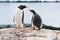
49, 10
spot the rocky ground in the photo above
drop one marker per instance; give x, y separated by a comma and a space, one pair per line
28, 34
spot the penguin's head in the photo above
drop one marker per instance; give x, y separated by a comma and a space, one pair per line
33, 12
22, 7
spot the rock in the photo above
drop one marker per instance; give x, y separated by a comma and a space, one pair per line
58, 36
37, 38
42, 35
28, 34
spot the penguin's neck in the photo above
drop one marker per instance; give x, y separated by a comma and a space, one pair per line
21, 10
33, 12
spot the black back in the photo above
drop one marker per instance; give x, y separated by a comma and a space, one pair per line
36, 19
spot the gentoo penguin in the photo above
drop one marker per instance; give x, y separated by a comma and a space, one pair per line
36, 20
19, 17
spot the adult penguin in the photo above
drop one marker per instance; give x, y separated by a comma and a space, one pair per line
19, 17
36, 20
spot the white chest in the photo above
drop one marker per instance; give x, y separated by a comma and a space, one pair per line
19, 13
